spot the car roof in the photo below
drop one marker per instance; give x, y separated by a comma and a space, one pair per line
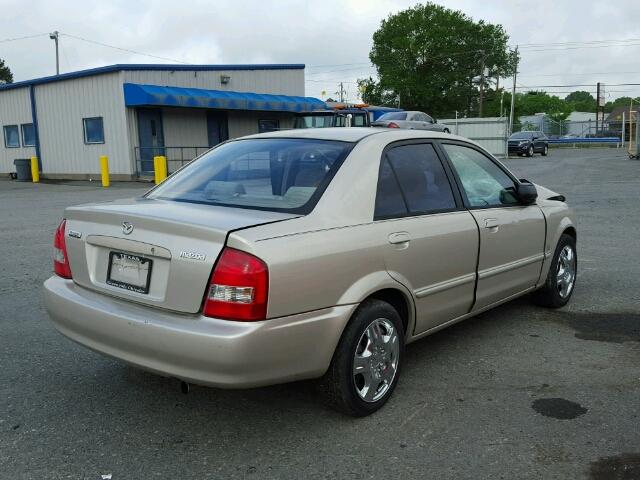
355, 134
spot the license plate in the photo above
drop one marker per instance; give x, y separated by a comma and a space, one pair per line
130, 272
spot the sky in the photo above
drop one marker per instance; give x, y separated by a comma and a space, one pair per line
331, 37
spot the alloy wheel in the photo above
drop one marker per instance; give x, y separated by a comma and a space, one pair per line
375, 361
566, 274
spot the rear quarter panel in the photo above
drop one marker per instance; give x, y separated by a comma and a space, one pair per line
333, 256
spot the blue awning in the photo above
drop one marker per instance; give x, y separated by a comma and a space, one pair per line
145, 95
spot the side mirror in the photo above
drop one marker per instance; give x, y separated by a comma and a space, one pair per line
526, 192
434, 120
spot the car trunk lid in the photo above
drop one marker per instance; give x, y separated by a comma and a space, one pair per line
115, 247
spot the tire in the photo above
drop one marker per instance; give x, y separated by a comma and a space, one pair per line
545, 151
530, 151
345, 389
446, 130
556, 292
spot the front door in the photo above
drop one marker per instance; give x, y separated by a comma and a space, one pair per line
431, 240
217, 128
151, 137
512, 235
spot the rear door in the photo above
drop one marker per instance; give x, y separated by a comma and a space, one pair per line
432, 241
512, 235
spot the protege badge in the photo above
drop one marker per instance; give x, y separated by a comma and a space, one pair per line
193, 255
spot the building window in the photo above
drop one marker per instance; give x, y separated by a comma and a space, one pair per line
93, 130
268, 125
28, 135
11, 136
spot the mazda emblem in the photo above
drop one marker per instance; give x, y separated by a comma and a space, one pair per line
127, 228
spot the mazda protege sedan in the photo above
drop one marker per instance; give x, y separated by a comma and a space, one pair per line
301, 254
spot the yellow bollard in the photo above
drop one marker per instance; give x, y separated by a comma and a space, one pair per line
104, 170
159, 168
35, 171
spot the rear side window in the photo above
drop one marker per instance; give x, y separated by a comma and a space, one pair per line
389, 201
421, 182
277, 174
394, 116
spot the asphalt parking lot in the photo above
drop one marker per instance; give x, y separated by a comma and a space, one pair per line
518, 392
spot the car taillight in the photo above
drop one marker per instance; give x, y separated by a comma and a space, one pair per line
393, 125
60, 257
238, 289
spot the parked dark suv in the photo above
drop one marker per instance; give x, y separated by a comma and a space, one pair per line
528, 143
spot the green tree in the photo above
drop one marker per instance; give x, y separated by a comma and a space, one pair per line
621, 102
581, 101
5, 73
428, 56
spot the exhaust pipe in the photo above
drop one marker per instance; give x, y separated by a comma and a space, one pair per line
184, 387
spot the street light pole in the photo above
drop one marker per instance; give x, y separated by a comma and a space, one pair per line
54, 36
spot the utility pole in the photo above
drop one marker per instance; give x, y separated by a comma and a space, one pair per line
54, 36
481, 86
513, 91
341, 92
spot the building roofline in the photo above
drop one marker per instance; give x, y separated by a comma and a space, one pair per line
150, 67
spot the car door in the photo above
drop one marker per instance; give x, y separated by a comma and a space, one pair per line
512, 235
431, 239
540, 142
429, 123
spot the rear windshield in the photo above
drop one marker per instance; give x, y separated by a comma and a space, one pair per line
525, 135
394, 116
276, 174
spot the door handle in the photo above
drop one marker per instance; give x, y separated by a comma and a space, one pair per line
399, 238
491, 223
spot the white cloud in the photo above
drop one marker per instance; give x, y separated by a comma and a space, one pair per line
315, 32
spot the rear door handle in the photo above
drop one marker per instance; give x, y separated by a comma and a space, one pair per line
491, 223
399, 237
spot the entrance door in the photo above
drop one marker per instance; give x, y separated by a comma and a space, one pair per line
512, 235
151, 137
217, 131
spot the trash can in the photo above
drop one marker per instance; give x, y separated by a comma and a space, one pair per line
23, 169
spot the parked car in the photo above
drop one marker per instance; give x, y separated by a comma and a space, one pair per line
527, 143
303, 254
410, 120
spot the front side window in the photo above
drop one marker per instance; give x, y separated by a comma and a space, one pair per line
421, 178
276, 174
11, 136
359, 120
93, 130
314, 121
485, 184
28, 135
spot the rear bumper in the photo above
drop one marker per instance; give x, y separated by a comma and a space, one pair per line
194, 348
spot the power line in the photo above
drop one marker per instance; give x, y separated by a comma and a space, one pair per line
572, 74
588, 42
14, 39
128, 50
